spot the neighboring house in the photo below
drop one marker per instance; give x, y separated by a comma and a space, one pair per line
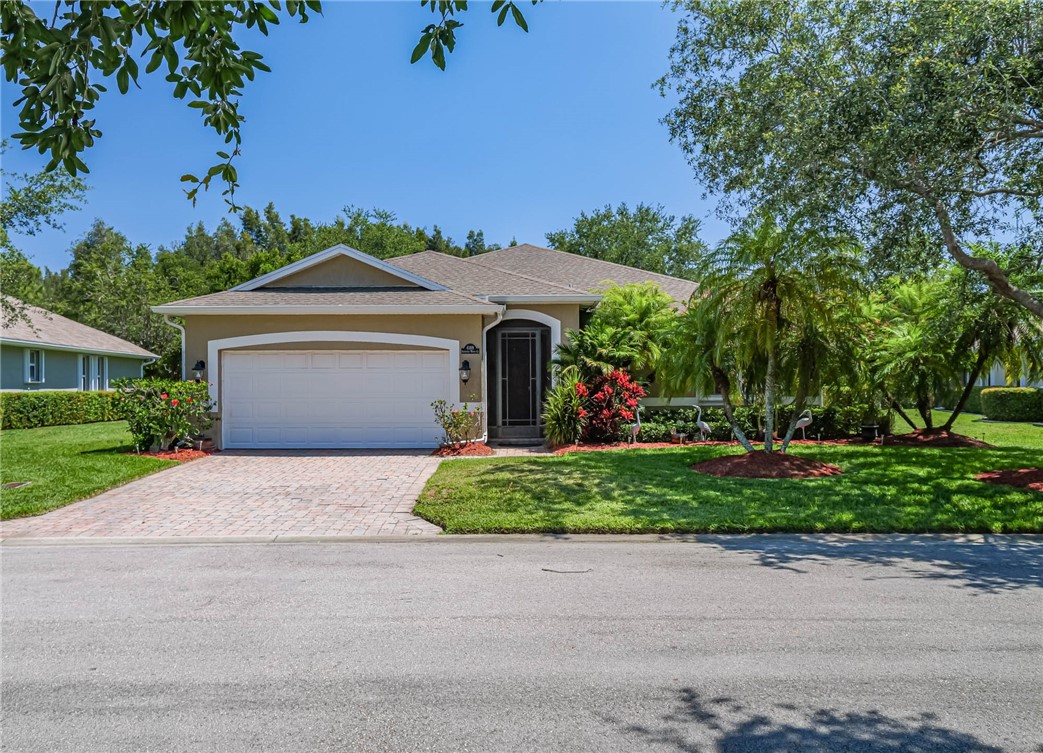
997, 377
44, 351
345, 350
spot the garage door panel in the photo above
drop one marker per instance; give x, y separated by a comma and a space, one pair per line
351, 361
305, 399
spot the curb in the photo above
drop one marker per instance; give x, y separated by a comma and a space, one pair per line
586, 538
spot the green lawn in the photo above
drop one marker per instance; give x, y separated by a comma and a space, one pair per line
1000, 433
907, 489
66, 464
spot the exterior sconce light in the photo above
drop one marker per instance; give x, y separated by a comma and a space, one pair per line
465, 371
198, 369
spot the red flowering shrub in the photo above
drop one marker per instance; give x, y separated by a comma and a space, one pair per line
161, 412
611, 402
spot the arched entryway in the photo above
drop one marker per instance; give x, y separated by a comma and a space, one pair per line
518, 356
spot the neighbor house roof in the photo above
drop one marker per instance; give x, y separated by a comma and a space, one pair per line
578, 272
42, 328
368, 300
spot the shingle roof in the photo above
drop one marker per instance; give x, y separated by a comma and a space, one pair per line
578, 272
47, 328
369, 296
465, 276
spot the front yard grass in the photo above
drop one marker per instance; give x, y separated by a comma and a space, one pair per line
999, 433
66, 464
882, 489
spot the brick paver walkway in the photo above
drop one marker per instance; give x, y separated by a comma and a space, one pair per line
262, 493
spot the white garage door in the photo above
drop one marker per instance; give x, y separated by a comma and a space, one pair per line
333, 399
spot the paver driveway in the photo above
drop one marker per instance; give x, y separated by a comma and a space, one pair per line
259, 493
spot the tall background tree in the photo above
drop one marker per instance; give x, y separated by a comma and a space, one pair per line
869, 115
29, 203
646, 237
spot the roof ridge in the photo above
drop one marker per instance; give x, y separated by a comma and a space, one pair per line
474, 260
588, 258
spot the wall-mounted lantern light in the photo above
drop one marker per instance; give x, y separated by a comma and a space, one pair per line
465, 371
198, 369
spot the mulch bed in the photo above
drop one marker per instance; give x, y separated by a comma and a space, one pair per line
180, 455
1026, 478
935, 438
766, 465
474, 449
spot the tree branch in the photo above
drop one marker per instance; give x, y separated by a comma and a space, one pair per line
992, 271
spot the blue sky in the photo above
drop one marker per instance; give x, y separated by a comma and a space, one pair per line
516, 137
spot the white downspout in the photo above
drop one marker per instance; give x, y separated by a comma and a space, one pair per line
180, 328
485, 373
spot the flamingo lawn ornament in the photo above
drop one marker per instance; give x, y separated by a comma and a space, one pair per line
704, 428
803, 423
635, 428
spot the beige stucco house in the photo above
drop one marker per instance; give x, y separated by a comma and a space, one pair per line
343, 350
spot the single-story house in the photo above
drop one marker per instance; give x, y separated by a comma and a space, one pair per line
44, 351
343, 350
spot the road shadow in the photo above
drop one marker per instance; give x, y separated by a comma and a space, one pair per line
989, 563
725, 725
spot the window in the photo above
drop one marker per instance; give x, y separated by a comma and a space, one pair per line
101, 373
85, 373
94, 373
34, 366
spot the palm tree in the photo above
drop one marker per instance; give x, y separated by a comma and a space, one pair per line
699, 358
770, 286
996, 330
595, 350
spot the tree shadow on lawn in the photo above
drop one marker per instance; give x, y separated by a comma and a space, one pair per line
882, 490
897, 489
725, 725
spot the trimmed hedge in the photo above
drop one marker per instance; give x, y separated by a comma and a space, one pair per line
31, 410
832, 422
950, 398
1012, 403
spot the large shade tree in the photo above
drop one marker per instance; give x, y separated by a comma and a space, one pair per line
59, 59
869, 115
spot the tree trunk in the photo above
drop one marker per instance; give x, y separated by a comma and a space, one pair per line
923, 407
971, 379
798, 408
996, 276
769, 403
898, 409
724, 387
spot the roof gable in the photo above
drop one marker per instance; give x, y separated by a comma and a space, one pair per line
339, 267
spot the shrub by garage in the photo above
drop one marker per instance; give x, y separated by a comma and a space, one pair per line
1012, 403
163, 412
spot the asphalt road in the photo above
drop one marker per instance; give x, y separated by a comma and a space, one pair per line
760, 644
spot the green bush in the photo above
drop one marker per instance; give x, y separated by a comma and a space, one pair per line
161, 412
459, 425
950, 398
831, 422
30, 410
563, 414
1012, 403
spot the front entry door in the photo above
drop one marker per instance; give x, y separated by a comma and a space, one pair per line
519, 393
